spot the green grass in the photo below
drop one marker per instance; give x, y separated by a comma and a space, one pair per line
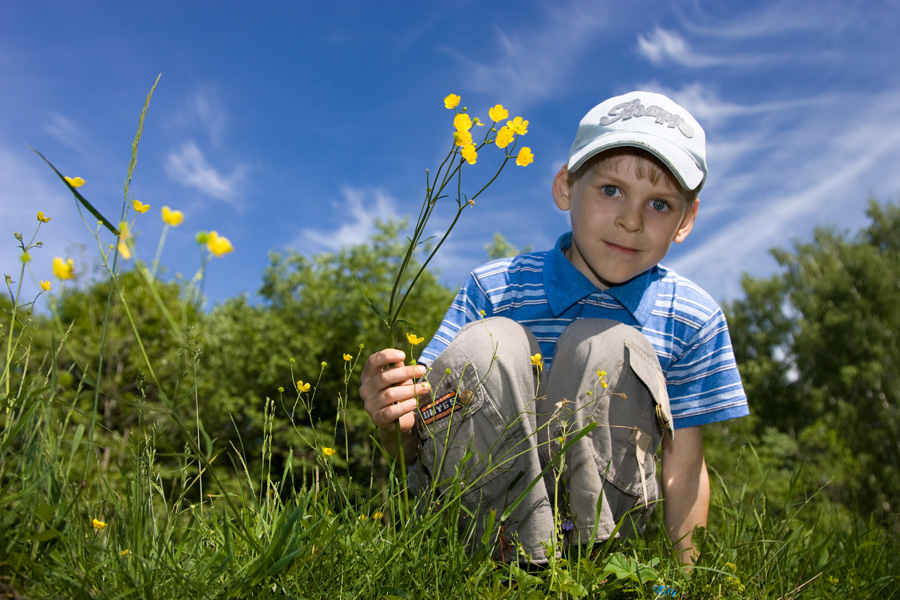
283, 537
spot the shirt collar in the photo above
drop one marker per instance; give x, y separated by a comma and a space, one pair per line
565, 285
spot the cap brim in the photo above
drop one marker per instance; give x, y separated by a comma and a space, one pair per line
681, 163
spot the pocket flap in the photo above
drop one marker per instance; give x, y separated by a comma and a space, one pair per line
647, 369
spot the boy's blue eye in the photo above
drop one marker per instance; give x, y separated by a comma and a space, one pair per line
610, 190
659, 205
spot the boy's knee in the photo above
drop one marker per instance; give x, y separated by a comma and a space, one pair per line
584, 339
495, 342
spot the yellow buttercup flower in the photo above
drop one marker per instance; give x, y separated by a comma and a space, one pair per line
462, 122
218, 244
140, 207
42, 218
328, 451
124, 235
519, 126
377, 515
602, 376
462, 138
525, 157
414, 339
75, 181
64, 269
451, 101
538, 361
45, 285
125, 552
504, 137
469, 153
172, 217
98, 524
498, 113
303, 387
348, 357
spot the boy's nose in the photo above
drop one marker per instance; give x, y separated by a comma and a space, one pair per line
630, 217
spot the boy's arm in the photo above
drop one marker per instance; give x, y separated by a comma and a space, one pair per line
685, 486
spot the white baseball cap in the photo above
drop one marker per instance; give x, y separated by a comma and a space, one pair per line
649, 121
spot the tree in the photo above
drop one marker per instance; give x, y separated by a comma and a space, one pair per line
819, 351
500, 247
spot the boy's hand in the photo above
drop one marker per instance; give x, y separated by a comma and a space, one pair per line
390, 394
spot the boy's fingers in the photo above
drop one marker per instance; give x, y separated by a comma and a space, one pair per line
391, 413
384, 358
390, 392
389, 377
376, 397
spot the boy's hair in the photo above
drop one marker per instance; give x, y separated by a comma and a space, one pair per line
653, 169
650, 122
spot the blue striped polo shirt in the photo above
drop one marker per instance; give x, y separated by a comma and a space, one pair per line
545, 292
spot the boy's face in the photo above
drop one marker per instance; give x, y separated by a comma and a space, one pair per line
622, 224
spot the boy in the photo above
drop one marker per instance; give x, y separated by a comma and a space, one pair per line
594, 332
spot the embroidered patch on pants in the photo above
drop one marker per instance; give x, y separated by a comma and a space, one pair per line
445, 405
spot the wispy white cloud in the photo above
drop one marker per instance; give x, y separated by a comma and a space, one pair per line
70, 134
189, 167
203, 108
762, 19
64, 130
534, 64
815, 164
359, 208
663, 45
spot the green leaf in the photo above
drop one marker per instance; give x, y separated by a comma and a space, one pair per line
524, 579
622, 567
80, 198
565, 584
45, 535
76, 442
282, 563
45, 512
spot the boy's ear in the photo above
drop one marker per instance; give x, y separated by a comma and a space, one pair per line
687, 222
562, 187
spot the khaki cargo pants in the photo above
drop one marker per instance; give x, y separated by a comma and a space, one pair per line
498, 421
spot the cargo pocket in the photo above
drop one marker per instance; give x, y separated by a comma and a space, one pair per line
461, 431
636, 408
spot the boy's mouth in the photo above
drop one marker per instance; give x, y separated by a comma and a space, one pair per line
622, 249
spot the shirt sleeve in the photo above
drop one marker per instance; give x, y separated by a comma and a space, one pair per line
467, 306
704, 384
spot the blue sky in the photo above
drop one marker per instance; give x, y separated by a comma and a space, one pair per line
297, 124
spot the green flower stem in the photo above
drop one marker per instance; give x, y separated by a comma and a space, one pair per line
404, 502
9, 346
5, 377
442, 240
159, 247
